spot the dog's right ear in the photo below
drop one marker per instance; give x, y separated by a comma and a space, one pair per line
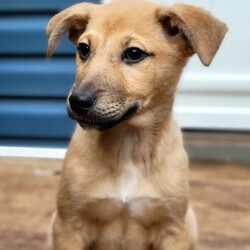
73, 20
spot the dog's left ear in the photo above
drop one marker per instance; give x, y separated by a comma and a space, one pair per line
201, 32
73, 20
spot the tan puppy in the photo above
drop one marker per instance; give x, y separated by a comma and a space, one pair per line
124, 183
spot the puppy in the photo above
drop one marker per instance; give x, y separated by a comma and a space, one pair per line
124, 183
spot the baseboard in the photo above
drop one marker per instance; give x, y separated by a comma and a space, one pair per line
218, 146
31, 152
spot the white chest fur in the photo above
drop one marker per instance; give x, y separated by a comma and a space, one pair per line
126, 186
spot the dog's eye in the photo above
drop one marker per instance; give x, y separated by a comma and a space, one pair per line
84, 51
134, 55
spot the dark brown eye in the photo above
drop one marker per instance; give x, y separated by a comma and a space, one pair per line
134, 55
84, 51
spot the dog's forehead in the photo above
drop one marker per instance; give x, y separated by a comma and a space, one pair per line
124, 15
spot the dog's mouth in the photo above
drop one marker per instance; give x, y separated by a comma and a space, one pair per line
103, 124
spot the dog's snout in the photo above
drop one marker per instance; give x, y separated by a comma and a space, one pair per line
80, 103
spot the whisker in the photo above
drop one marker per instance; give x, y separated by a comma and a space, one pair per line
152, 112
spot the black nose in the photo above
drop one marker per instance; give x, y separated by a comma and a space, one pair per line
80, 103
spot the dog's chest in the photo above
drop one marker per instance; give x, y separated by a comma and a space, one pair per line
127, 184
130, 184
131, 193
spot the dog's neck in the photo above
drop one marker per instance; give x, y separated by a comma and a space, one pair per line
133, 145
129, 143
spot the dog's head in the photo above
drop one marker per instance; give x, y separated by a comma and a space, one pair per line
130, 55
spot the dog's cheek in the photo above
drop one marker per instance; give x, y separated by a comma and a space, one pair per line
170, 63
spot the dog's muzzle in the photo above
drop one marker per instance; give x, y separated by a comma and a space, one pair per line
101, 113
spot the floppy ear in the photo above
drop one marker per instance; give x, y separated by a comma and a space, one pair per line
201, 32
73, 20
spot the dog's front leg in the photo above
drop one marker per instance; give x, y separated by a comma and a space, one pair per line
175, 241
65, 236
